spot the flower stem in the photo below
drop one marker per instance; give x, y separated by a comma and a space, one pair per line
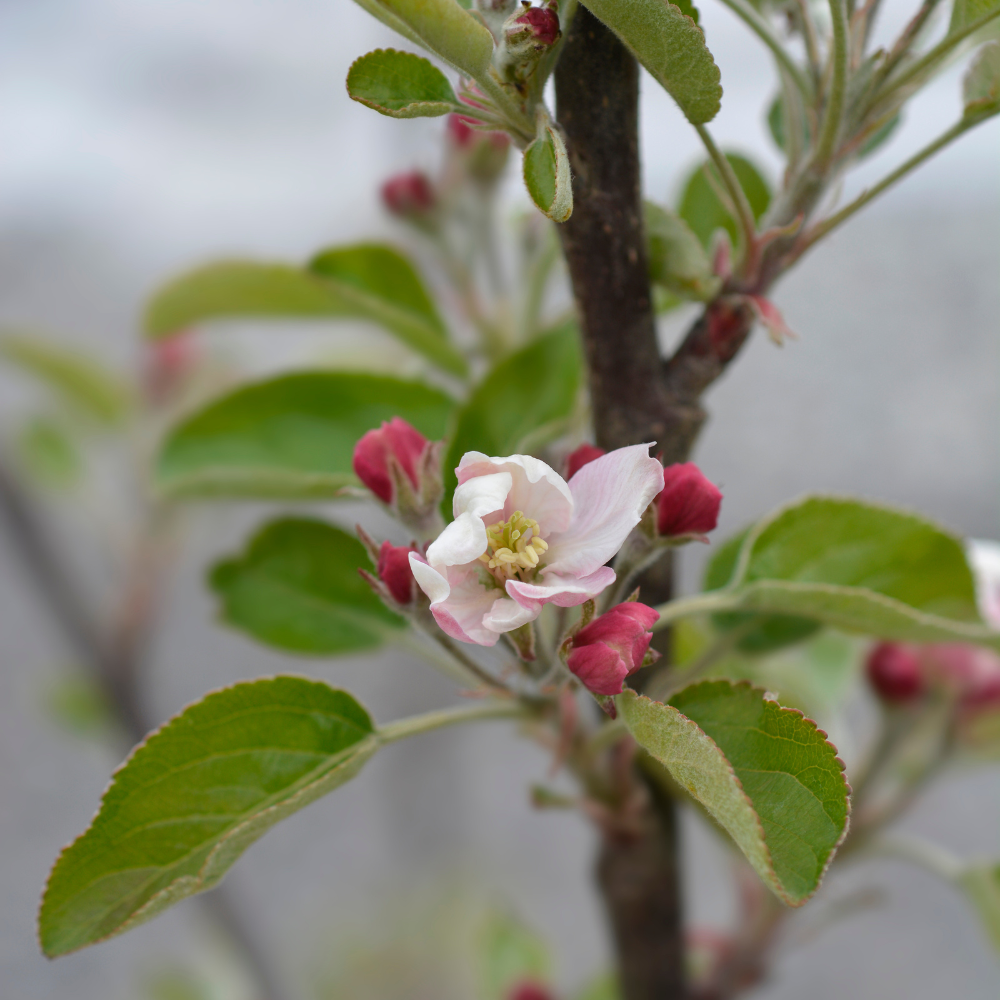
699, 604
834, 116
416, 724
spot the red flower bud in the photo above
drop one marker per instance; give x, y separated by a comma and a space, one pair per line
529, 990
612, 646
689, 503
541, 24
894, 672
406, 446
408, 195
583, 455
970, 672
394, 571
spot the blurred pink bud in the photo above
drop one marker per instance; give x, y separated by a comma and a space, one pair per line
460, 132
576, 460
394, 571
395, 442
894, 672
409, 194
169, 363
529, 990
612, 646
971, 672
689, 503
537, 27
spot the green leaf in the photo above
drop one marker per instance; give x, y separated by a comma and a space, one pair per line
777, 123
965, 12
981, 885
366, 281
981, 86
671, 46
860, 567
526, 400
291, 436
400, 85
297, 588
194, 795
511, 954
443, 27
603, 987
677, 260
880, 136
48, 453
546, 174
87, 386
765, 773
701, 208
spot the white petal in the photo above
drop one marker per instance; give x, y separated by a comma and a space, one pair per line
507, 615
564, 592
609, 496
459, 602
536, 489
984, 557
465, 538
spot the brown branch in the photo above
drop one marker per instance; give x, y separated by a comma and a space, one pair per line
113, 661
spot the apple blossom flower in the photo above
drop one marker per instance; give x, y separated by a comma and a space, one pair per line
688, 504
523, 537
612, 646
578, 458
393, 569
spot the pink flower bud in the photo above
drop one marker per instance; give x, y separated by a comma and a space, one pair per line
169, 364
394, 442
894, 672
537, 26
970, 672
612, 646
529, 990
689, 503
409, 195
394, 571
576, 460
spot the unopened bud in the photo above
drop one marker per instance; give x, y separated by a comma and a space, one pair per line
169, 365
483, 153
582, 456
403, 469
894, 672
603, 653
527, 35
393, 569
688, 506
530, 990
409, 195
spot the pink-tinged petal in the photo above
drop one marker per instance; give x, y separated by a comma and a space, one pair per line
609, 496
537, 490
464, 539
984, 558
506, 615
564, 592
459, 602
599, 667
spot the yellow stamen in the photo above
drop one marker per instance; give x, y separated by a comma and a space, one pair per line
513, 548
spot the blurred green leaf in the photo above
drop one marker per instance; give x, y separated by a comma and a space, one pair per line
79, 705
297, 588
677, 260
965, 12
292, 436
400, 85
525, 400
79, 380
765, 773
547, 176
48, 454
981, 85
880, 136
860, 567
511, 953
701, 208
603, 987
177, 984
443, 27
194, 796
981, 885
672, 47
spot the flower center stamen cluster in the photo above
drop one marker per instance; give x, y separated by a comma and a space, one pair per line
513, 548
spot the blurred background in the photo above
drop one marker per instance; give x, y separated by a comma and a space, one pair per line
141, 138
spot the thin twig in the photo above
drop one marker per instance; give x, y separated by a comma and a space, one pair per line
833, 116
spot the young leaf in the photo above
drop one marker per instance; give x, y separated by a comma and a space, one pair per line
671, 46
350, 287
194, 795
440, 26
965, 12
400, 85
49, 454
87, 386
860, 567
546, 174
525, 400
677, 260
297, 588
701, 208
291, 436
765, 773
981, 86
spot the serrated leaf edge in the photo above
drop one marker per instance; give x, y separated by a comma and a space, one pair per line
380, 108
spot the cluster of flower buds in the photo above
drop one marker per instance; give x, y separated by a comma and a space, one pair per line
410, 196
525, 36
686, 510
403, 469
605, 651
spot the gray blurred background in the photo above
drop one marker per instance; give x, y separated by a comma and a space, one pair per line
139, 138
